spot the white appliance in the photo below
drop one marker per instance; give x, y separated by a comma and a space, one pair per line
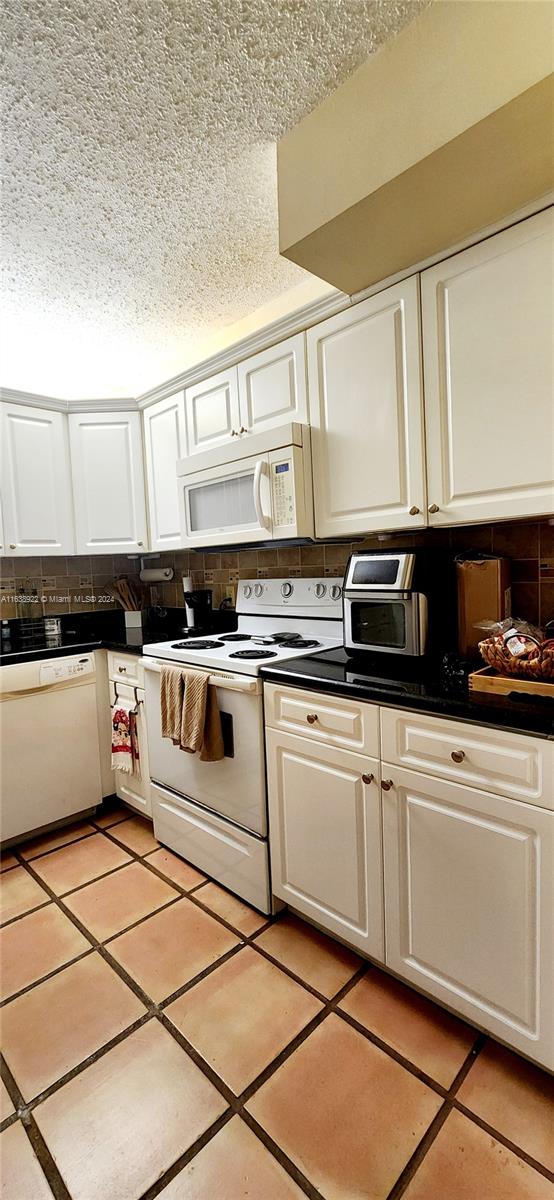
252, 490
50, 746
215, 814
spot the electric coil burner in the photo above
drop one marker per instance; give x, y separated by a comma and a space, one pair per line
196, 644
253, 654
236, 637
304, 644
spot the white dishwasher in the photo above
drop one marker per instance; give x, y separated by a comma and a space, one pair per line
50, 756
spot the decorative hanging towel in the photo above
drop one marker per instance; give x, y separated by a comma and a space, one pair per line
122, 748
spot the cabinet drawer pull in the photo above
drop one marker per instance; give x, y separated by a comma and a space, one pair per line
312, 718
386, 784
122, 670
414, 510
368, 778
433, 508
13, 546
457, 756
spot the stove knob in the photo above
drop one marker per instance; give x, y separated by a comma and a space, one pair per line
320, 590
258, 589
287, 589
247, 591
335, 592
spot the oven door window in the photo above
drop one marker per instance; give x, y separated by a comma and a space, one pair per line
379, 623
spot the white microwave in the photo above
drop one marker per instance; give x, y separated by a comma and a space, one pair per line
256, 490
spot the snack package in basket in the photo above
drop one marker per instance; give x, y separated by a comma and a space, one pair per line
514, 647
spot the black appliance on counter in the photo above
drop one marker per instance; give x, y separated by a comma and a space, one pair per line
399, 602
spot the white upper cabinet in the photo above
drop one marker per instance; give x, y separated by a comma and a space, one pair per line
36, 482
272, 386
488, 329
212, 411
164, 443
366, 412
108, 482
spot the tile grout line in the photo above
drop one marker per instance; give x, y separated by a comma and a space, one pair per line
330, 1005
38, 1145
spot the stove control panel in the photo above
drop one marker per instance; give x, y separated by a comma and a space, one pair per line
298, 596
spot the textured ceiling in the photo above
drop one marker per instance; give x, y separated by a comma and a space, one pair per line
139, 205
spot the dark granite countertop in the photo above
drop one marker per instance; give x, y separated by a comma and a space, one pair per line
86, 632
419, 688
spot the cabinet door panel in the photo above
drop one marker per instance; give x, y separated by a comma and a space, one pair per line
325, 837
488, 316
164, 440
212, 411
366, 412
468, 904
36, 482
272, 386
108, 482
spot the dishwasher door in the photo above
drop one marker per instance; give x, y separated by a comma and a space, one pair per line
50, 756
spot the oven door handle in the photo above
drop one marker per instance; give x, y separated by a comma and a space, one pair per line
236, 683
259, 470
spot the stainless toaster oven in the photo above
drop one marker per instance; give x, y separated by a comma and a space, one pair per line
383, 611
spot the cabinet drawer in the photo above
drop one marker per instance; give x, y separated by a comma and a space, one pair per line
129, 668
331, 719
508, 764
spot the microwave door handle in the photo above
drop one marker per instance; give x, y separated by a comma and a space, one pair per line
260, 470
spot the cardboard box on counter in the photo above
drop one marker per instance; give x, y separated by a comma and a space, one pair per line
484, 594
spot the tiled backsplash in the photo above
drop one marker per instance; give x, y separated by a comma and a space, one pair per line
61, 585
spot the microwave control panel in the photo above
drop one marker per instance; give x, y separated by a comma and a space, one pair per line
282, 487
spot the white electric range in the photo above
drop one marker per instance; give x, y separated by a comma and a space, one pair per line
215, 814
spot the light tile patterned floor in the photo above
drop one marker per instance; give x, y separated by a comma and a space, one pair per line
162, 1039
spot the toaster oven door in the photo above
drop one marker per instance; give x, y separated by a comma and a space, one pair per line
392, 624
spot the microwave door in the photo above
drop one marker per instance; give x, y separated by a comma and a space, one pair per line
228, 504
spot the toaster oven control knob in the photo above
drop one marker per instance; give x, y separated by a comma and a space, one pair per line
258, 590
286, 589
320, 590
335, 592
247, 591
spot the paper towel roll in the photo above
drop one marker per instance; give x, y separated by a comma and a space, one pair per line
157, 575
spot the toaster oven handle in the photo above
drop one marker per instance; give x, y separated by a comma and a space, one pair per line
260, 470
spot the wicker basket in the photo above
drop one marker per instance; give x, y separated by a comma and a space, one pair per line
539, 664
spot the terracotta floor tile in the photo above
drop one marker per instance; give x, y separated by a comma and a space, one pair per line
113, 816
137, 834
233, 910
170, 948
74, 865
349, 1116
6, 1107
22, 1177
313, 956
116, 1127
233, 1166
175, 868
19, 893
53, 841
418, 1029
465, 1163
36, 945
110, 904
91, 1006
514, 1097
7, 861
242, 1015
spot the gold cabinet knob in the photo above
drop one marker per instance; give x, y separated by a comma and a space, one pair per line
122, 670
243, 429
368, 778
433, 508
311, 718
386, 784
457, 756
13, 546
414, 510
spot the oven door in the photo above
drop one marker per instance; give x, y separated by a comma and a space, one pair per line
230, 503
381, 622
234, 787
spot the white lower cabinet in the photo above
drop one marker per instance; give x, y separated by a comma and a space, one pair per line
134, 791
325, 821
468, 904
